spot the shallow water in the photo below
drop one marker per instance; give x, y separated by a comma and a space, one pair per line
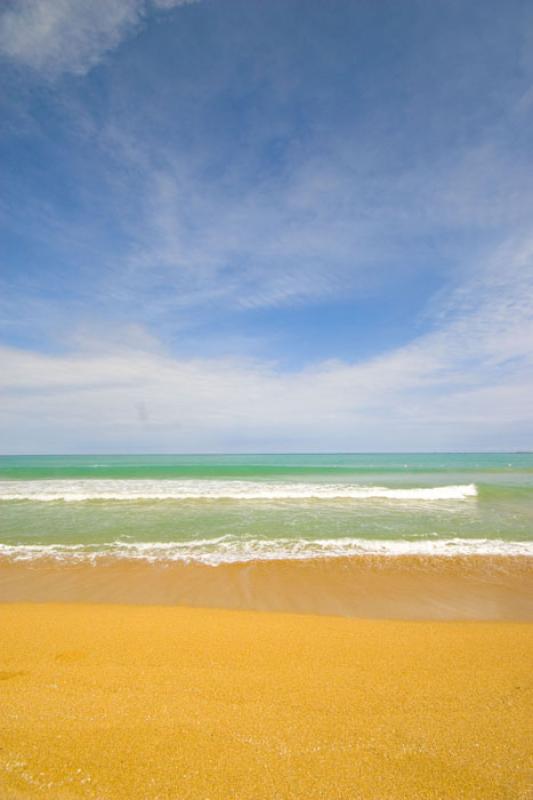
216, 509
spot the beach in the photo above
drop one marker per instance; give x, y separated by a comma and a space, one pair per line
325, 627
109, 701
266, 418
483, 587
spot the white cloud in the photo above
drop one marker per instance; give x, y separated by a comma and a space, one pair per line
56, 36
340, 216
468, 384
332, 223
171, 3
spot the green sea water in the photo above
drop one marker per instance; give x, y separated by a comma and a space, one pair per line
237, 507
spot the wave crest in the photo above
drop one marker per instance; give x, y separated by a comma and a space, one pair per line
231, 549
76, 491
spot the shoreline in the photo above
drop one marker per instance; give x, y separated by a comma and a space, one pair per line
374, 587
145, 702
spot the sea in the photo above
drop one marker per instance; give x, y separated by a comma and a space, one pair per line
216, 509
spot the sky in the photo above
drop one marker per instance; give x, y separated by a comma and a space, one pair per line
266, 225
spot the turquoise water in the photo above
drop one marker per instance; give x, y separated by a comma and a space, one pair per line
237, 507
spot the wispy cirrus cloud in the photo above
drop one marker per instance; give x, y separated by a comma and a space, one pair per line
56, 36
332, 225
343, 222
466, 384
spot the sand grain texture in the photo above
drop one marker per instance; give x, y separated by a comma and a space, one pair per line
138, 703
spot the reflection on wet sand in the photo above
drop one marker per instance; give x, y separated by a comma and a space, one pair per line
399, 587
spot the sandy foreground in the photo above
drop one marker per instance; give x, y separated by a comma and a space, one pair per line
103, 701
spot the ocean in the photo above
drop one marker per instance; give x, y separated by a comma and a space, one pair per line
236, 508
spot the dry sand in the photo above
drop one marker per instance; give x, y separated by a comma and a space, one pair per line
139, 703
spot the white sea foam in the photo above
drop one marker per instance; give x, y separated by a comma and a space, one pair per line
231, 549
75, 491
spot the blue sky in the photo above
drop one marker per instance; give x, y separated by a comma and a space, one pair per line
266, 225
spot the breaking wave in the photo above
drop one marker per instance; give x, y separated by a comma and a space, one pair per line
232, 549
77, 491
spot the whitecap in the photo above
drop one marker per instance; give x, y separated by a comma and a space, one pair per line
137, 490
231, 549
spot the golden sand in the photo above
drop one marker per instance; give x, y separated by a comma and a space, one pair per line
139, 703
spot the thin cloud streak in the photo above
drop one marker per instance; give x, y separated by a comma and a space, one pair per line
69, 36
345, 212
467, 384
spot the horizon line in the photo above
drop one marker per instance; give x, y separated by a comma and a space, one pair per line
277, 453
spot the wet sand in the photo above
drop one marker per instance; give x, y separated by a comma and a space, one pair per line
391, 587
113, 702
